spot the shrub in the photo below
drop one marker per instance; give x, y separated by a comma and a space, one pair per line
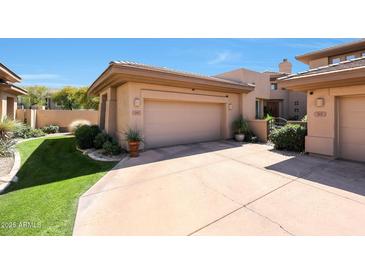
8, 127
95, 130
240, 126
133, 135
51, 129
6, 147
269, 118
85, 136
100, 139
111, 148
289, 137
27, 132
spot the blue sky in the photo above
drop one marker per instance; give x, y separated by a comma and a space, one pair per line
59, 62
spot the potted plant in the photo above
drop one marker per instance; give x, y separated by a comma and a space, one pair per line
240, 127
133, 138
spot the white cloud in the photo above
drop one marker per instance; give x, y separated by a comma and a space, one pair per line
224, 56
40, 76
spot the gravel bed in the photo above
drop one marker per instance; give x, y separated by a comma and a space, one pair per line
6, 164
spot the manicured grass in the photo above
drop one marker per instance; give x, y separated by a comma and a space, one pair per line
52, 177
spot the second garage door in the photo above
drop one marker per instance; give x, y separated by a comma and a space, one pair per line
170, 123
352, 128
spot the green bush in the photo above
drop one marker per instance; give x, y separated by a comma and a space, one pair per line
100, 139
26, 132
85, 136
289, 137
111, 148
95, 130
240, 126
51, 129
133, 135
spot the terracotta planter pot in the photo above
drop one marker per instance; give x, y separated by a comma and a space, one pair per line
133, 149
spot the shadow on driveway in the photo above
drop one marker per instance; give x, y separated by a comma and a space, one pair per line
345, 175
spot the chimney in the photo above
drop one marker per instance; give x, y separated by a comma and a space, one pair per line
285, 66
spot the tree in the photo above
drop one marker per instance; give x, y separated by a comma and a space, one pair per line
36, 96
75, 98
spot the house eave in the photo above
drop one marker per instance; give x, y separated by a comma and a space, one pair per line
325, 80
116, 75
12, 89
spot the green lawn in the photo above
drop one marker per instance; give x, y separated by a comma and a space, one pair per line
52, 177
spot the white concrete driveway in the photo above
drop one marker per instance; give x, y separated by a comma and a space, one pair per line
222, 188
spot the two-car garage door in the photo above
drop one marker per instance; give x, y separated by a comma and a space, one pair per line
352, 128
174, 122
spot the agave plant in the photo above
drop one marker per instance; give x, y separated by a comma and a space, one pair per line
133, 135
7, 127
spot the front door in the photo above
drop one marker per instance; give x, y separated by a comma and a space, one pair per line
273, 108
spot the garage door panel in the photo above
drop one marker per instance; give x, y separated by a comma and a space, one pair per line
170, 122
349, 121
352, 135
352, 128
353, 152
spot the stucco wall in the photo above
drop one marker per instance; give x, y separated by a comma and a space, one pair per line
261, 91
301, 97
318, 62
259, 128
27, 116
322, 120
3, 104
65, 119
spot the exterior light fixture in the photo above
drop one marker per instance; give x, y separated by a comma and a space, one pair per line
230, 107
137, 102
319, 102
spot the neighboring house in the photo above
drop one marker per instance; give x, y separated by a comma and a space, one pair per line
335, 85
269, 99
167, 106
9, 92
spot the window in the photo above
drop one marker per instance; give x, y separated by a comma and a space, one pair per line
296, 103
296, 110
274, 86
363, 54
258, 109
336, 60
350, 57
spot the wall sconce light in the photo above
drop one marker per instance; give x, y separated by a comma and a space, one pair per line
230, 107
137, 102
319, 102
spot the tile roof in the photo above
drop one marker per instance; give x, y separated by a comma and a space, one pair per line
182, 73
345, 65
334, 50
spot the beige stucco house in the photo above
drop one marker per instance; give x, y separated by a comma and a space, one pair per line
268, 97
335, 86
167, 106
9, 92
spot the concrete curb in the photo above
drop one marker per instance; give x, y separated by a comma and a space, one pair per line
11, 177
93, 154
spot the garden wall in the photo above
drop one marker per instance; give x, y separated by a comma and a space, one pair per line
65, 119
259, 128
